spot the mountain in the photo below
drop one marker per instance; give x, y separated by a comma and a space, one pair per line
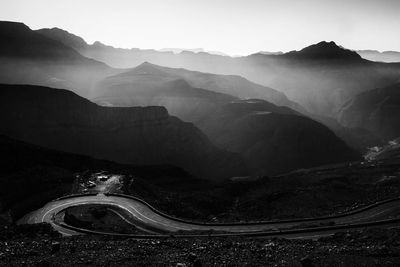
321, 77
31, 58
194, 50
59, 119
234, 85
150, 85
274, 139
270, 53
377, 110
227, 84
386, 56
66, 38
186, 94
323, 51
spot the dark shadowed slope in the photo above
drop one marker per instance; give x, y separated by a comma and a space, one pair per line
62, 120
32, 175
274, 139
376, 110
29, 57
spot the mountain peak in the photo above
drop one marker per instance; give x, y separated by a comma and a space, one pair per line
146, 68
324, 50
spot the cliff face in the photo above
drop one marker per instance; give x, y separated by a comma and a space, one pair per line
61, 120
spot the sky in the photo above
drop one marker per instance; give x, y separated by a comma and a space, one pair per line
235, 27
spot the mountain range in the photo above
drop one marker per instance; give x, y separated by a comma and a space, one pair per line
30, 58
254, 127
321, 77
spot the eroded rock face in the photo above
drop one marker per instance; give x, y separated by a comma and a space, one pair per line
61, 120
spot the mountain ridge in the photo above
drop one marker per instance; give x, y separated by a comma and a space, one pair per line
61, 120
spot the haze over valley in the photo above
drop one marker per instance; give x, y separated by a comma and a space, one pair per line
174, 145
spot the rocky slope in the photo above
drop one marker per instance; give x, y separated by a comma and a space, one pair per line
61, 120
376, 110
372, 247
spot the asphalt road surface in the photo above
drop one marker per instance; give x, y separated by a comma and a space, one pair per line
142, 215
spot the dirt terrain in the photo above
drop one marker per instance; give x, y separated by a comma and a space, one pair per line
20, 247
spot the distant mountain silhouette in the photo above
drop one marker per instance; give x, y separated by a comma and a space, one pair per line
324, 51
61, 120
20, 42
229, 84
149, 85
386, 56
156, 82
68, 39
194, 50
270, 53
31, 58
321, 77
376, 110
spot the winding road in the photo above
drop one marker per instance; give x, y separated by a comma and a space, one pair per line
149, 218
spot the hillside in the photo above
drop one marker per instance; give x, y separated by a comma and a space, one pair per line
274, 139
61, 120
376, 110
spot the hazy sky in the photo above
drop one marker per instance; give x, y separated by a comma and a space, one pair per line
237, 27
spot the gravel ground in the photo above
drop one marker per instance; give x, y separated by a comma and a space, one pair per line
374, 247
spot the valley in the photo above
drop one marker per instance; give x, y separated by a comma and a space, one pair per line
116, 156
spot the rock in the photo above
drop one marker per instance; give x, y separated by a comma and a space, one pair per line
306, 262
72, 249
197, 263
43, 263
55, 247
192, 257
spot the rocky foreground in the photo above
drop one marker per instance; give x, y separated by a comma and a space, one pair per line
39, 246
